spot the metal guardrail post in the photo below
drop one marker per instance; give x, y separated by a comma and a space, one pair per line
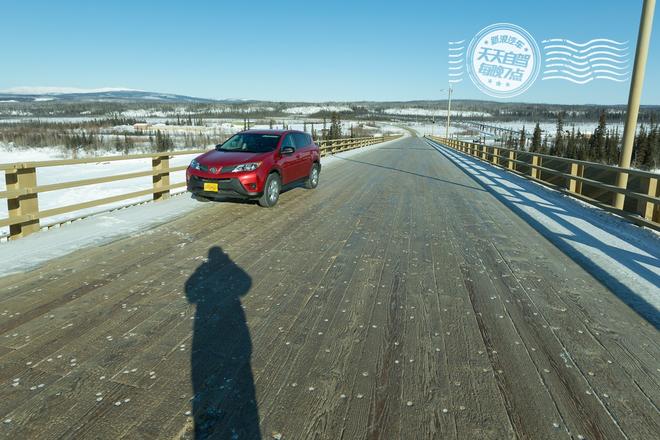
575, 185
535, 172
161, 179
22, 205
512, 157
648, 210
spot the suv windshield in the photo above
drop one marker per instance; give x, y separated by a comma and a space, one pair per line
250, 143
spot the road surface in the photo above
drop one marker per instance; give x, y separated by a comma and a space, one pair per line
400, 299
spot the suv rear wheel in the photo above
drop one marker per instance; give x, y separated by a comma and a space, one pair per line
271, 191
313, 178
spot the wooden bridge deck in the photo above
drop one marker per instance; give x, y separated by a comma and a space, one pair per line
398, 300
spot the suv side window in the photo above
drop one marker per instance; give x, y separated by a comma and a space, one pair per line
300, 139
288, 142
309, 139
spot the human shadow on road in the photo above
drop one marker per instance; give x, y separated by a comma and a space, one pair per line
224, 401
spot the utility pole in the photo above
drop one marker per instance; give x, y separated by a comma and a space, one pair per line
449, 111
641, 54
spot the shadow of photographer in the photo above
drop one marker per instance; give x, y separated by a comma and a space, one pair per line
224, 402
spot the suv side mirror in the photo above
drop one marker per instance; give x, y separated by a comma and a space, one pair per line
287, 150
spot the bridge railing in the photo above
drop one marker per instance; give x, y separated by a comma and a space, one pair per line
24, 216
591, 182
338, 145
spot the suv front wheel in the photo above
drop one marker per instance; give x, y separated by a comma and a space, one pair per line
271, 191
313, 178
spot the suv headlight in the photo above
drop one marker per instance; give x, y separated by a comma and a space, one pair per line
195, 165
251, 166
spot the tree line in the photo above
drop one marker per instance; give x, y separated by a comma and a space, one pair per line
90, 137
603, 145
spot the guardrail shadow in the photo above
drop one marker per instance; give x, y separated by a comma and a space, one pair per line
601, 248
224, 399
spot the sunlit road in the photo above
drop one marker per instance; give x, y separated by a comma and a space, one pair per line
398, 300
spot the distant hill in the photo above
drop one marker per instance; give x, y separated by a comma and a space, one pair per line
44, 94
72, 102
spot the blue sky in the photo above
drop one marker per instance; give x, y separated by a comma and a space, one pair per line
295, 50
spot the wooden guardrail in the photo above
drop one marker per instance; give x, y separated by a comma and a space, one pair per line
22, 192
591, 182
338, 145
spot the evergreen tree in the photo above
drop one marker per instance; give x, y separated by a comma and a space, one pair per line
653, 159
510, 143
117, 144
581, 145
536, 139
571, 150
335, 127
163, 142
613, 148
559, 135
523, 139
128, 144
598, 139
641, 149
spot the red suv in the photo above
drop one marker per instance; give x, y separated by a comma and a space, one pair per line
256, 164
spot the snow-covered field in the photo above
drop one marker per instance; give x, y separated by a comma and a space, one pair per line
27, 118
311, 109
184, 111
55, 199
624, 257
430, 112
437, 129
20, 255
551, 128
345, 126
65, 197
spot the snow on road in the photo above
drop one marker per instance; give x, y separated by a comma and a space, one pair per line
624, 257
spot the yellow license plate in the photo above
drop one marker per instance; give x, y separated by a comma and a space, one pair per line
210, 187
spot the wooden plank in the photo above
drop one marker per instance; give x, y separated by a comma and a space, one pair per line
354, 349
